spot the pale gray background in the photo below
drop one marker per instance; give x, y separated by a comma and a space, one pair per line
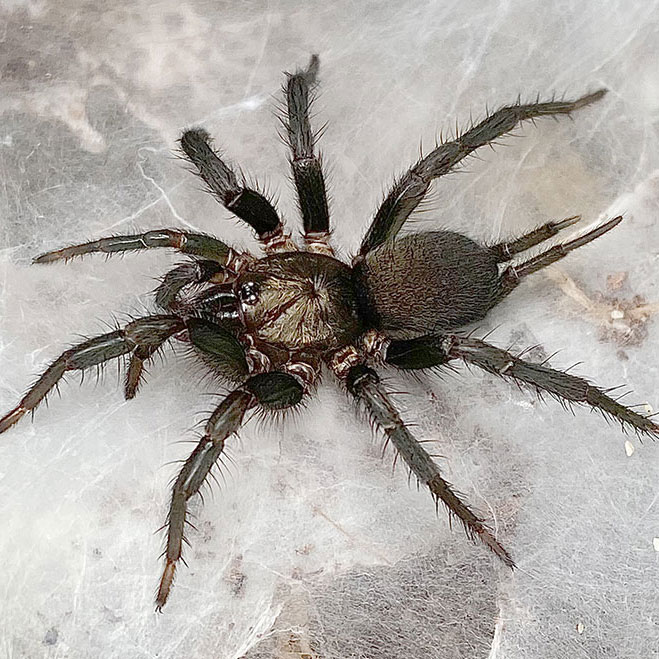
312, 544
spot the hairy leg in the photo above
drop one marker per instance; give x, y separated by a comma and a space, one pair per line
247, 204
432, 351
306, 166
513, 274
151, 331
218, 348
506, 250
224, 421
186, 274
273, 391
135, 372
408, 192
215, 345
194, 244
364, 384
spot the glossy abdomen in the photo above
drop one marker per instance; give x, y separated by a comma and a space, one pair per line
428, 283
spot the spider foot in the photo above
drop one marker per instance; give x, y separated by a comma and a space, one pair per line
9, 419
165, 586
474, 527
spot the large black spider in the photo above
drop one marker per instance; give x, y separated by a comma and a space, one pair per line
270, 324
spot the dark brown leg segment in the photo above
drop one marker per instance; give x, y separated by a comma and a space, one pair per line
145, 332
364, 384
223, 422
433, 351
306, 166
408, 192
561, 385
135, 372
186, 274
274, 391
194, 244
247, 204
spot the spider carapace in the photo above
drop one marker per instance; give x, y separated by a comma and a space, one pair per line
271, 325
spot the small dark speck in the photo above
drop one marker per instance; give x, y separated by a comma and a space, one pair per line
51, 637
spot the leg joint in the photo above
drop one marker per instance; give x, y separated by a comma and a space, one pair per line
163, 238
359, 375
152, 330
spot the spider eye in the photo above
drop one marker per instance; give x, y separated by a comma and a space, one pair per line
249, 293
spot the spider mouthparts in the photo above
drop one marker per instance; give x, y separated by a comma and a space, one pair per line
221, 301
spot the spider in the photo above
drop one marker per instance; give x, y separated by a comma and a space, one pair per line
271, 324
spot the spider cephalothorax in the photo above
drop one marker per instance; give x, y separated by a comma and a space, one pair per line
270, 324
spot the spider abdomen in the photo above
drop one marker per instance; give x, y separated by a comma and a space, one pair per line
427, 283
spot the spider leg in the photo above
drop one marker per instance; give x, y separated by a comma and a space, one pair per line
513, 274
409, 190
430, 351
194, 244
506, 250
216, 346
187, 274
247, 204
306, 166
151, 331
135, 371
224, 421
364, 384
272, 390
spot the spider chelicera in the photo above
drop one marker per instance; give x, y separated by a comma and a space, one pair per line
270, 324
